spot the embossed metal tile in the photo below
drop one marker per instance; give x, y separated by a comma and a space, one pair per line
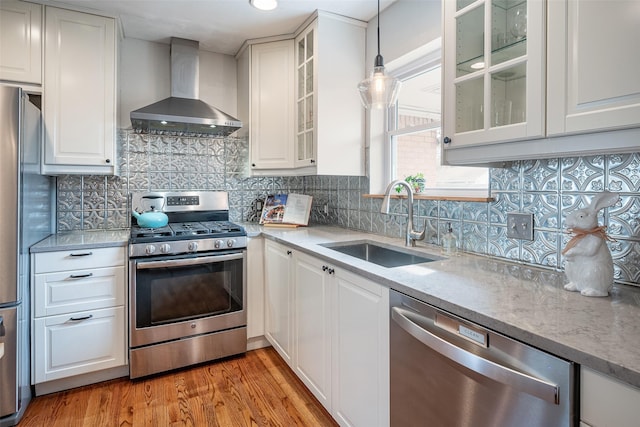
583, 174
624, 173
500, 245
543, 250
505, 179
541, 175
544, 207
624, 217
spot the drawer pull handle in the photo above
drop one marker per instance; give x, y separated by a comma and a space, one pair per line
82, 254
77, 319
80, 276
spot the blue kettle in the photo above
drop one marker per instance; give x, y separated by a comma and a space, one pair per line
152, 219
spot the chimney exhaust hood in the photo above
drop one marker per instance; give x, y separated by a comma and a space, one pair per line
183, 112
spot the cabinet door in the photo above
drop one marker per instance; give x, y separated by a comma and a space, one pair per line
360, 385
593, 66
255, 287
78, 343
271, 133
20, 42
312, 336
606, 402
278, 299
79, 103
306, 100
493, 71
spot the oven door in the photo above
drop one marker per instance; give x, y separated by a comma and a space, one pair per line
186, 296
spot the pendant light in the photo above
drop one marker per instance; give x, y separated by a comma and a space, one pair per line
379, 90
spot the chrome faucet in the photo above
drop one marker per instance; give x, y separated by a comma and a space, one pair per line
410, 236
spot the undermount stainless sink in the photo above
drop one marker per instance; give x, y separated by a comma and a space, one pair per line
379, 254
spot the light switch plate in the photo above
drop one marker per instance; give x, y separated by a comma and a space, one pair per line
520, 226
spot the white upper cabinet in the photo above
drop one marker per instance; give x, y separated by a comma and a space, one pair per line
522, 83
20, 42
271, 100
493, 71
299, 96
79, 106
330, 62
594, 74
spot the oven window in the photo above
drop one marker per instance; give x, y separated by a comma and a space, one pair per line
180, 293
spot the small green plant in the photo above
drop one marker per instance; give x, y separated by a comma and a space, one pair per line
416, 181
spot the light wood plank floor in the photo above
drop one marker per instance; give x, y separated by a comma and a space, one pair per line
257, 389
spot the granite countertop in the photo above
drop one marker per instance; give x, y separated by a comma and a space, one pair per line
520, 301
80, 239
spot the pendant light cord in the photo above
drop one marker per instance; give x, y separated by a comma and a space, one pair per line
379, 62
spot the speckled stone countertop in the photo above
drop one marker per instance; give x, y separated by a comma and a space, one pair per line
523, 302
81, 239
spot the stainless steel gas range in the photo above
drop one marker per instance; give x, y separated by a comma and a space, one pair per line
187, 283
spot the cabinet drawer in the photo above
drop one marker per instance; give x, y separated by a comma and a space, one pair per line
67, 292
79, 259
84, 342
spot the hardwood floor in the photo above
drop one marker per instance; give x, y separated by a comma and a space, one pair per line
257, 389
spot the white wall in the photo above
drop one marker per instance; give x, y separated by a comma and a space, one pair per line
145, 76
404, 26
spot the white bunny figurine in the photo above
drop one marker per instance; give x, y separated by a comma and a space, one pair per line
588, 265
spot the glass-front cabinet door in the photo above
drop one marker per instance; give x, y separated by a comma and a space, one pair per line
305, 97
493, 71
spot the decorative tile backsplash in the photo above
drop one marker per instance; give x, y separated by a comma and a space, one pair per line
545, 188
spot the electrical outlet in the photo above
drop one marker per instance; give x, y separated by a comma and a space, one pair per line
520, 226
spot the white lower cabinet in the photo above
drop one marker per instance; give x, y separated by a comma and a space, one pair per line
79, 327
78, 343
360, 351
255, 287
606, 402
312, 334
278, 299
331, 327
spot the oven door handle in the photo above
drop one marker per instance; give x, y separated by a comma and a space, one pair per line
142, 265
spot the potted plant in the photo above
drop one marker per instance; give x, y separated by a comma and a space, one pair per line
417, 182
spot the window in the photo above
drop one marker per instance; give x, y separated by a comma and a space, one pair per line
414, 132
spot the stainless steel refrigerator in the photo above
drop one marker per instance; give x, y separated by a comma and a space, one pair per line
26, 201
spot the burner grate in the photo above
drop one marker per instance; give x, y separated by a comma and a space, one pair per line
189, 229
139, 232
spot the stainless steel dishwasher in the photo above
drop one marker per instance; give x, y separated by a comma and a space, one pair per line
448, 372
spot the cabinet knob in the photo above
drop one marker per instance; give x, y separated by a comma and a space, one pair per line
253, 165
108, 161
446, 140
289, 252
324, 268
312, 161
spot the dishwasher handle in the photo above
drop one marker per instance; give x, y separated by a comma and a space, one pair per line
502, 374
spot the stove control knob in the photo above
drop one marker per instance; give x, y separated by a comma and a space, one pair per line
218, 244
230, 243
165, 249
193, 246
149, 249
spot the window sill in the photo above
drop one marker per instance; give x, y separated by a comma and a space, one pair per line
426, 196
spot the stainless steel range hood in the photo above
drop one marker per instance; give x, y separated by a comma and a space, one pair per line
183, 112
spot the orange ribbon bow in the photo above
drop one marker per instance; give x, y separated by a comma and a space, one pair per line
580, 234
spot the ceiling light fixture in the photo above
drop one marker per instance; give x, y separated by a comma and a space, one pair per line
379, 90
264, 4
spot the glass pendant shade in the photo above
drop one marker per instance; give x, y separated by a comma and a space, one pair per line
379, 90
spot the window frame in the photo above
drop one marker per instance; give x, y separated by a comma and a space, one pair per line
420, 61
